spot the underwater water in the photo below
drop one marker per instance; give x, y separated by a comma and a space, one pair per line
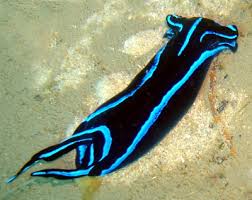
59, 60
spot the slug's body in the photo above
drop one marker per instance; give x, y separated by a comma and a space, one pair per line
129, 124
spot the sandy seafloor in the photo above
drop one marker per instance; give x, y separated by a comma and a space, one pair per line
59, 60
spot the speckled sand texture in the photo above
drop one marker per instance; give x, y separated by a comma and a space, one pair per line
59, 60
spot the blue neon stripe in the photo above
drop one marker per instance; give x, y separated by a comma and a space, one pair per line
169, 21
169, 33
73, 173
107, 137
28, 167
232, 27
158, 109
82, 150
188, 36
46, 155
123, 98
12, 178
232, 44
218, 34
91, 156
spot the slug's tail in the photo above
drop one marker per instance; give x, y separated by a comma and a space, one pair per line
62, 173
52, 153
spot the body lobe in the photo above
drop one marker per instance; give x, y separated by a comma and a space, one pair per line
135, 110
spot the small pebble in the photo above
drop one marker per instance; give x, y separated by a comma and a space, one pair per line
222, 106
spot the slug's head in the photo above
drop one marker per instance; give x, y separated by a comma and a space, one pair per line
201, 34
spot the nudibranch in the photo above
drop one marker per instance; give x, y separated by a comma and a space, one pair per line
125, 127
